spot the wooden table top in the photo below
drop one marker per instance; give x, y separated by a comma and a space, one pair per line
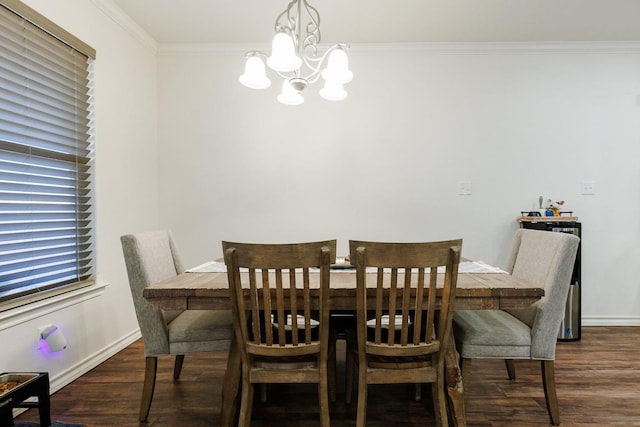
486, 291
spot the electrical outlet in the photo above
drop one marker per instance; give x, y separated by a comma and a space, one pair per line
588, 187
464, 188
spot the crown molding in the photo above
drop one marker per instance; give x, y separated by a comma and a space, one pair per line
476, 48
168, 49
490, 48
117, 15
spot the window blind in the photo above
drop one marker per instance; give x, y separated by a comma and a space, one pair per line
46, 158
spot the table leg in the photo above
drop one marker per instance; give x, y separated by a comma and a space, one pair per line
455, 388
44, 404
231, 386
6, 415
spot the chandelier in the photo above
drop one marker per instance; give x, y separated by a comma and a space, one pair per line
295, 58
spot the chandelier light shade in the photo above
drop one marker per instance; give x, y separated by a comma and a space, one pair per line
333, 91
295, 57
254, 75
289, 96
283, 54
338, 67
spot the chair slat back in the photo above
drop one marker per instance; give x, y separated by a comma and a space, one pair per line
398, 316
270, 287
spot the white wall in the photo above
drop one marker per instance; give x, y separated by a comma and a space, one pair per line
126, 197
518, 121
181, 144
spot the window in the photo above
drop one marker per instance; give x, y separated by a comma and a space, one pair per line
46, 155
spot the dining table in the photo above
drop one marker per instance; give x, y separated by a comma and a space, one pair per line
479, 287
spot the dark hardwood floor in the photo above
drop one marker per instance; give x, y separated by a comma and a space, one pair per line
598, 384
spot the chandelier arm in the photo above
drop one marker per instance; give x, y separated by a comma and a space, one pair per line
315, 63
258, 53
313, 27
289, 75
288, 24
308, 59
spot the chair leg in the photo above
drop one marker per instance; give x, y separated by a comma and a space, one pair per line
418, 392
549, 383
246, 403
177, 366
264, 394
511, 368
440, 405
151, 367
231, 390
465, 367
361, 411
348, 377
331, 365
323, 401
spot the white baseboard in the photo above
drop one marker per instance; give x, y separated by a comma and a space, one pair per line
611, 321
79, 369
74, 372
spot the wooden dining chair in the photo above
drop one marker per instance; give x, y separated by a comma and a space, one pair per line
403, 322
151, 257
283, 338
542, 258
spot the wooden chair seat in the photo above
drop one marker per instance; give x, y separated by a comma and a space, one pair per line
390, 362
287, 362
416, 362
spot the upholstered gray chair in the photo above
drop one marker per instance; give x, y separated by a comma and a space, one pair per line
545, 259
152, 257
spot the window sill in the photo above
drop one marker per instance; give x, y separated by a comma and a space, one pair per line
13, 313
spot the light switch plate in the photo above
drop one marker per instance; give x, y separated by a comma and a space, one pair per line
464, 188
588, 187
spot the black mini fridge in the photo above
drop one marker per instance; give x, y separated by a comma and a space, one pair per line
572, 322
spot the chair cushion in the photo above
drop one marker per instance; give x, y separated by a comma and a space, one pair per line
200, 330
491, 334
170, 315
